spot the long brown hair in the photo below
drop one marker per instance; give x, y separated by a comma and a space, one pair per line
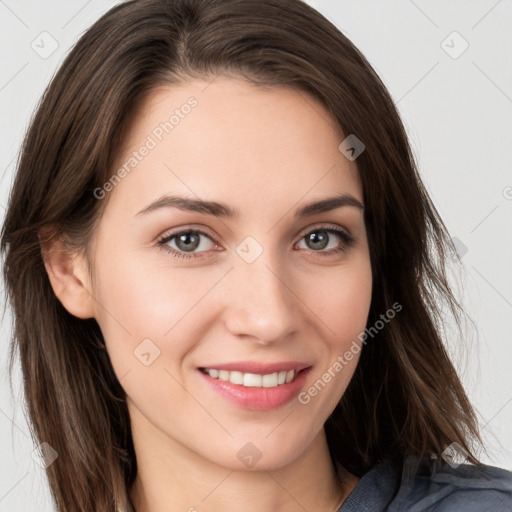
405, 396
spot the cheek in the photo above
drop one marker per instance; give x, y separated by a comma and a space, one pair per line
341, 299
139, 301
342, 305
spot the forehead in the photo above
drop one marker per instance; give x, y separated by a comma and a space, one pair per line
231, 141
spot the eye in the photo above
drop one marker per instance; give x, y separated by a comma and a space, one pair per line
322, 238
182, 244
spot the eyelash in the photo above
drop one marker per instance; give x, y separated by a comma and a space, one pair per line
347, 242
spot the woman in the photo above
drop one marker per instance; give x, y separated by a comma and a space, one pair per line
227, 276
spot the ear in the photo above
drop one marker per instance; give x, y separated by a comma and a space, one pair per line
69, 275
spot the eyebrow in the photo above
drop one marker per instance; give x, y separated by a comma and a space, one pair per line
222, 210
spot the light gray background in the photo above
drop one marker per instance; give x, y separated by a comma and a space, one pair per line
458, 112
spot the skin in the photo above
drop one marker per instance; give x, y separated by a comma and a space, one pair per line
265, 152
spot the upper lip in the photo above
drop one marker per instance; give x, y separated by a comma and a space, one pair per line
259, 368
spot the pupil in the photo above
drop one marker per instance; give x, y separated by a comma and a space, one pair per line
318, 239
185, 240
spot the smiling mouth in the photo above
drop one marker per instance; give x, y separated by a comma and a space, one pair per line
253, 380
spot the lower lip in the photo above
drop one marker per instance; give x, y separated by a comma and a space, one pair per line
258, 398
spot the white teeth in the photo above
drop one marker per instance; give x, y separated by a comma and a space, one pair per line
236, 377
253, 380
270, 381
223, 375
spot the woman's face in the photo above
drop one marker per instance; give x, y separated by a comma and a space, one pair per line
253, 287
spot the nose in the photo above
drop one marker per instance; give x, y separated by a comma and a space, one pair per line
260, 303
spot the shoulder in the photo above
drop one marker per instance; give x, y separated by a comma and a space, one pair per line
427, 487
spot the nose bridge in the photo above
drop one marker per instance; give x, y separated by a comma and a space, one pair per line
261, 303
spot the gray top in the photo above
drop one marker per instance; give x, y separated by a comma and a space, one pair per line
419, 487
